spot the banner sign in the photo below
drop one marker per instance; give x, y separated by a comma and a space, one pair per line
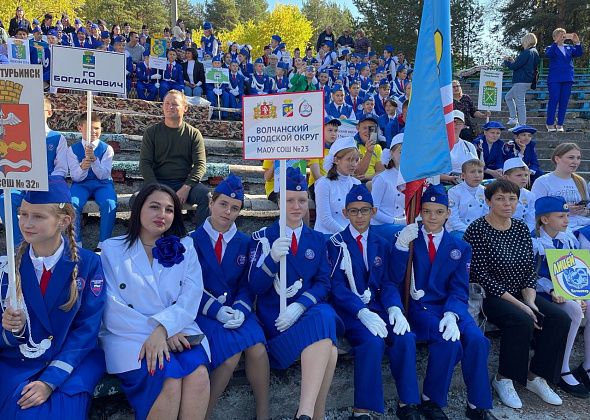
158, 57
23, 152
84, 69
570, 272
284, 126
490, 90
347, 129
217, 75
18, 51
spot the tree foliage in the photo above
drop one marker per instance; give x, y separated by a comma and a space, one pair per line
223, 14
323, 13
466, 30
254, 10
37, 9
151, 12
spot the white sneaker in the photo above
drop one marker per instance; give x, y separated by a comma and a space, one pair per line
539, 386
559, 129
512, 121
550, 128
505, 390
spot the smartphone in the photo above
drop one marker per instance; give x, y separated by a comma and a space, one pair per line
195, 340
569, 36
582, 203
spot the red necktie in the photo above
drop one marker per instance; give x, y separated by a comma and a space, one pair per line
431, 248
383, 101
219, 247
359, 242
354, 104
294, 244
170, 70
44, 280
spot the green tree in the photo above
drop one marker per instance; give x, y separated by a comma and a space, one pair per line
151, 12
323, 13
254, 10
37, 9
223, 14
466, 30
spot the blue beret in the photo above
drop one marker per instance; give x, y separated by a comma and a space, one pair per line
329, 44
232, 187
337, 66
388, 48
234, 61
359, 193
295, 180
78, 21
59, 192
401, 67
368, 98
493, 124
207, 26
383, 82
367, 117
310, 68
245, 51
259, 61
52, 32
216, 58
435, 194
94, 26
332, 120
524, 129
119, 39
314, 60
372, 54
276, 38
352, 66
84, 31
550, 204
380, 69
345, 52
105, 34
282, 45
336, 88
35, 22
283, 65
35, 30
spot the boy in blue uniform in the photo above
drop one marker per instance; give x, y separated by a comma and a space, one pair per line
209, 43
172, 77
337, 107
368, 302
49, 357
438, 309
281, 81
492, 147
146, 87
381, 96
523, 146
235, 90
57, 164
217, 93
261, 83
90, 163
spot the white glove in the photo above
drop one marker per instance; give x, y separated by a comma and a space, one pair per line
261, 93
398, 321
407, 235
225, 314
373, 322
279, 248
235, 91
289, 316
237, 320
281, 90
199, 83
217, 91
156, 77
448, 326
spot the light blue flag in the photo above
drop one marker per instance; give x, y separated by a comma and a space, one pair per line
429, 130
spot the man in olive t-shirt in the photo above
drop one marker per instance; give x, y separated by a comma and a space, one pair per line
173, 153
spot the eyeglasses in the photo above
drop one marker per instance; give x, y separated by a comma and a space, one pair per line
363, 211
456, 86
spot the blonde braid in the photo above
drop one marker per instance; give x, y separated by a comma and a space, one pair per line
68, 209
17, 260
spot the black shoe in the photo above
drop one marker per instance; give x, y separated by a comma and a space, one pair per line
408, 412
479, 414
363, 416
581, 376
97, 250
578, 391
431, 410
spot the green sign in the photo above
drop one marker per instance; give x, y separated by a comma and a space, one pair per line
570, 272
217, 75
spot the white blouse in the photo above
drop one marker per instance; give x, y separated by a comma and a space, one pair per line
390, 202
330, 199
462, 152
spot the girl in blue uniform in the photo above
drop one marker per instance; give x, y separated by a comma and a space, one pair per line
149, 335
492, 147
225, 313
523, 147
49, 358
306, 329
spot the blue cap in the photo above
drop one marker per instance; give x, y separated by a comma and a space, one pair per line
435, 194
295, 180
35, 22
368, 98
216, 58
282, 45
388, 48
401, 67
105, 34
259, 60
119, 39
332, 120
380, 69
524, 129
83, 30
493, 124
353, 66
345, 52
329, 44
337, 66
94, 26
58, 192
233, 60
383, 82
283, 65
78, 21
359, 193
232, 187
372, 54
367, 117
276, 38
36, 30
207, 26
336, 88
245, 51
550, 204
52, 32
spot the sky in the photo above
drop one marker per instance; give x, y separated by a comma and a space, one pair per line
347, 4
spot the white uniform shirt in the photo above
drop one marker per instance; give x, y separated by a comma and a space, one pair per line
330, 199
466, 204
355, 233
101, 167
525, 209
390, 202
48, 262
461, 152
214, 235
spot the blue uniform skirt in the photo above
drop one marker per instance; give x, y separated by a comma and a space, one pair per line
142, 390
225, 342
317, 323
59, 406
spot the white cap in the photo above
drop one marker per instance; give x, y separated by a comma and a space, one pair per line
386, 154
338, 145
512, 163
458, 114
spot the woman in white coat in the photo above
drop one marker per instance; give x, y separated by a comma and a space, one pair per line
154, 286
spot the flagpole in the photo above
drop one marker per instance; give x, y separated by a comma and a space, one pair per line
8, 227
411, 217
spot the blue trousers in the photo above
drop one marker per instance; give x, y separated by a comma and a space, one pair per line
232, 101
196, 91
105, 196
471, 350
220, 100
368, 354
166, 85
559, 93
146, 91
17, 198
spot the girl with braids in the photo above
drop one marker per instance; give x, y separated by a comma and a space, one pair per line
154, 286
49, 358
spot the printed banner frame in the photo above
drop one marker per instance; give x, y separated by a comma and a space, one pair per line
570, 272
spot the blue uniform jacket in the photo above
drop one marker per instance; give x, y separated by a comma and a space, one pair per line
310, 265
332, 110
144, 74
359, 102
246, 69
175, 75
524, 66
74, 333
236, 81
561, 67
230, 278
263, 81
530, 156
445, 282
379, 278
494, 157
